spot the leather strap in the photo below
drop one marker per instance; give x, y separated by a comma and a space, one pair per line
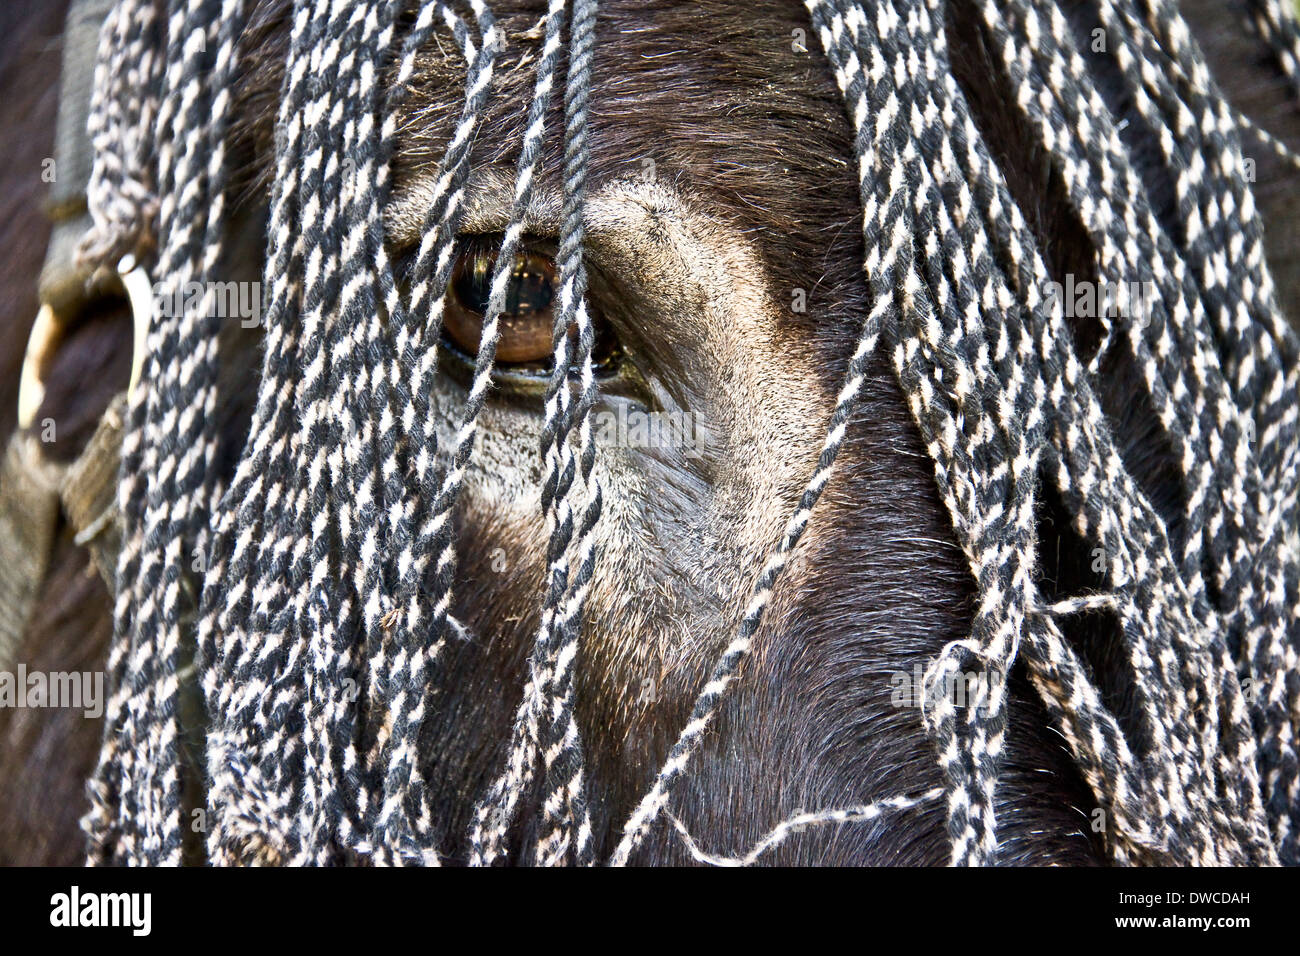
62, 284
29, 513
89, 492
33, 493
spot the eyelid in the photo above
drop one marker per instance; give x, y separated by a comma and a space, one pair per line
489, 197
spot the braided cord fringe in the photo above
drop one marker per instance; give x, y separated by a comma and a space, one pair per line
329, 560
545, 719
122, 194
995, 397
166, 497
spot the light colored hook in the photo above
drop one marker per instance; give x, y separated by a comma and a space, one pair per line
48, 325
139, 291
31, 390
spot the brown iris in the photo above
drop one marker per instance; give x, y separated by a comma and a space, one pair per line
528, 317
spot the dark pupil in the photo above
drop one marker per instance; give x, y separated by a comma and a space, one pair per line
528, 291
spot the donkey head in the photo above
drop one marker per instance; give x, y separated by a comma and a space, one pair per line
725, 299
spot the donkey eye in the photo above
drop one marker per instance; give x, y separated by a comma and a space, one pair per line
529, 314
525, 355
